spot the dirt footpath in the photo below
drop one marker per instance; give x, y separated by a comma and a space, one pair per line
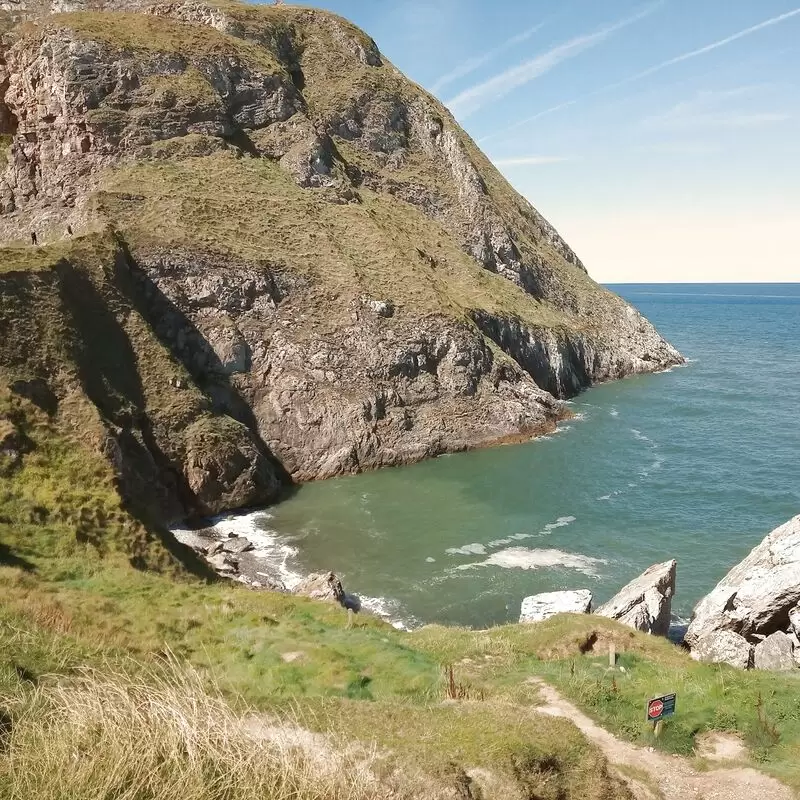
673, 776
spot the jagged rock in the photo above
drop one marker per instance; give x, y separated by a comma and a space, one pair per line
757, 595
723, 647
539, 607
646, 602
314, 338
322, 586
222, 562
237, 545
214, 548
774, 653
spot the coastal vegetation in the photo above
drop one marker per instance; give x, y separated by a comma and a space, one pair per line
268, 257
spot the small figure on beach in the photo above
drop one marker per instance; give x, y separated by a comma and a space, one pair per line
34, 238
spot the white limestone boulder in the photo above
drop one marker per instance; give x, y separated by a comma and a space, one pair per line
646, 602
724, 647
539, 607
774, 653
757, 595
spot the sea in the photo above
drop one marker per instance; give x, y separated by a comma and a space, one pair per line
696, 463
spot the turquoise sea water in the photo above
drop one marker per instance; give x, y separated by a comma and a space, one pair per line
697, 464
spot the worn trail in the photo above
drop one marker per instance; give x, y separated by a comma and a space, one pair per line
673, 776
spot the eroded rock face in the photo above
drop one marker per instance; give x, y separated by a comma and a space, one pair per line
646, 602
321, 371
724, 647
539, 607
758, 594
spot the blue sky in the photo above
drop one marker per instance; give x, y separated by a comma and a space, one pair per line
661, 138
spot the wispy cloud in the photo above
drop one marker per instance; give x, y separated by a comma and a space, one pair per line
652, 70
471, 64
530, 161
470, 100
700, 51
712, 109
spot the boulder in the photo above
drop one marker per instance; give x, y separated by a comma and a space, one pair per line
723, 647
322, 586
236, 545
646, 602
757, 595
539, 607
223, 563
774, 653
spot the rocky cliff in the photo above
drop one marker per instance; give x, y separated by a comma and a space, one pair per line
264, 255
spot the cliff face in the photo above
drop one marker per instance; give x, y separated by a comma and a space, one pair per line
310, 267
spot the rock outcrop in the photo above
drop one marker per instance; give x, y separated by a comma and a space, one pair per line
322, 586
307, 267
539, 607
646, 602
758, 597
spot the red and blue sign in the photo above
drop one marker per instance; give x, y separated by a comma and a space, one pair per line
660, 707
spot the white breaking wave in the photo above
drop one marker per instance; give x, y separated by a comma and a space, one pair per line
389, 610
525, 558
478, 549
268, 546
561, 522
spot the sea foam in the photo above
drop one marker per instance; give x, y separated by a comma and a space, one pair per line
526, 558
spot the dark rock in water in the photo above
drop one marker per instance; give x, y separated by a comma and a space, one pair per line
322, 586
646, 602
237, 545
774, 653
352, 602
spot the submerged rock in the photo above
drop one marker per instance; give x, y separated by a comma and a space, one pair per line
539, 607
774, 653
646, 602
724, 647
758, 595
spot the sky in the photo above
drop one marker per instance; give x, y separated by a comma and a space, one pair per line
660, 138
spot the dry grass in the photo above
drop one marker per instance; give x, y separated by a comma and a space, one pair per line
160, 736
